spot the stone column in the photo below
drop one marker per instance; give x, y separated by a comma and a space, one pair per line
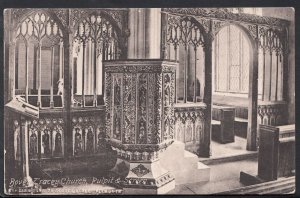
140, 121
144, 39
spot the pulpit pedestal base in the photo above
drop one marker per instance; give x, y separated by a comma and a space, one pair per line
143, 177
151, 191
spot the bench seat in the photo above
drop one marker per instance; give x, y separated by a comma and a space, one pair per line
240, 127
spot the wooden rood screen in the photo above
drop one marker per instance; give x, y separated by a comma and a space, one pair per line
188, 35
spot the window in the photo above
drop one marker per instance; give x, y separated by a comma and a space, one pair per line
38, 61
232, 58
185, 41
271, 65
95, 40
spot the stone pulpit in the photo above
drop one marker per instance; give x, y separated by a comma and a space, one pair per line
140, 121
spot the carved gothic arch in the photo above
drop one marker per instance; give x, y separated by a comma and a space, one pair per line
120, 31
176, 21
243, 27
22, 14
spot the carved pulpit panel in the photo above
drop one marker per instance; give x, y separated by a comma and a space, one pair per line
140, 118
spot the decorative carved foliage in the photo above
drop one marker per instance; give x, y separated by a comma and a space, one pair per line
137, 154
270, 39
217, 26
147, 102
140, 170
186, 31
49, 132
168, 104
39, 27
151, 109
271, 114
62, 14
97, 29
117, 107
118, 15
139, 68
18, 13
129, 108
158, 101
189, 124
226, 14
42, 123
253, 30
91, 131
142, 109
108, 103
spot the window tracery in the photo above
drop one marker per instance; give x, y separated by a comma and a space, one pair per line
95, 40
185, 40
39, 51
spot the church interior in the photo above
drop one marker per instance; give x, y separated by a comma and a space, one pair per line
168, 100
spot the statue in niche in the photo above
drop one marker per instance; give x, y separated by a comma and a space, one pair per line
89, 141
33, 144
189, 132
167, 96
60, 86
117, 127
197, 133
101, 141
167, 129
17, 144
117, 94
129, 97
179, 134
142, 133
142, 97
77, 142
58, 147
128, 130
46, 141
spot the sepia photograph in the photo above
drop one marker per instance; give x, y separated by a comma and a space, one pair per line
147, 101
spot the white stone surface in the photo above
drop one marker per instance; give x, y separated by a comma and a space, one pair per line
184, 165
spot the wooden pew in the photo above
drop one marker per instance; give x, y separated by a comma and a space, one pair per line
286, 130
240, 127
223, 124
286, 150
276, 157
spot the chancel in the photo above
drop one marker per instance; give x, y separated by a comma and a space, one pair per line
150, 100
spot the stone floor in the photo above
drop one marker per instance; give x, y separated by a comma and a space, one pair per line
225, 174
223, 177
238, 147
